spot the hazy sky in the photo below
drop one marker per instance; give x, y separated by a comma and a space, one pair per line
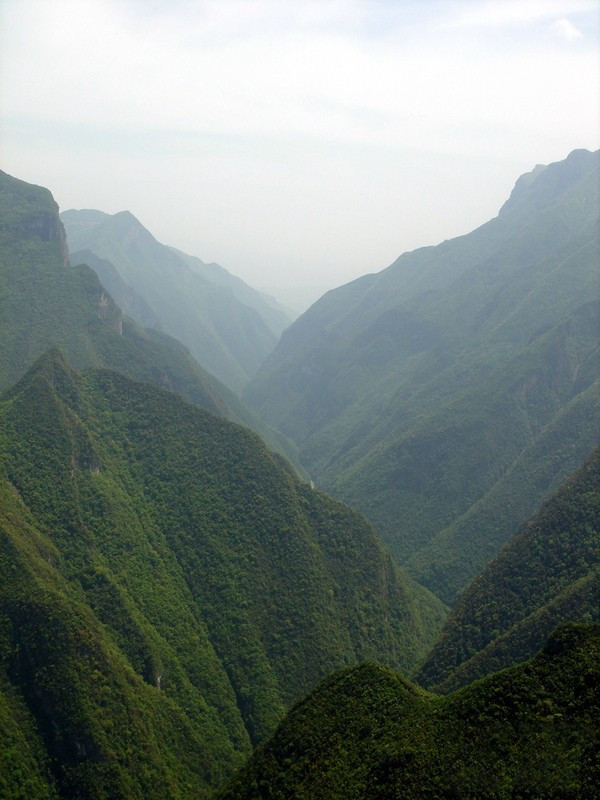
295, 142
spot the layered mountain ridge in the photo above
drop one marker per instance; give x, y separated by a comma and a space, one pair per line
228, 327
47, 303
170, 586
548, 573
447, 396
184, 562
366, 734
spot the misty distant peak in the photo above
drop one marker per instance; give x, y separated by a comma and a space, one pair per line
126, 217
85, 217
545, 183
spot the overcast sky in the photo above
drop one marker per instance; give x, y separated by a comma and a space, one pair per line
295, 142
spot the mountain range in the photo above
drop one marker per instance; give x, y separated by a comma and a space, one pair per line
47, 303
175, 592
367, 734
168, 585
447, 396
528, 731
228, 327
159, 563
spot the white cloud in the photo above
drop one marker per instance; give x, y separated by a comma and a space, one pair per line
566, 30
499, 13
115, 71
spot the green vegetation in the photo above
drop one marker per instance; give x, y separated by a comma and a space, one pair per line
548, 573
44, 303
168, 589
449, 395
228, 327
128, 300
277, 317
367, 734
76, 720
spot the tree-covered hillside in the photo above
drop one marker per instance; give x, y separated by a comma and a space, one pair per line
168, 589
46, 303
228, 327
448, 395
77, 719
548, 573
367, 734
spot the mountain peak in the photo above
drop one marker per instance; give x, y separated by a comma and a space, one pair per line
546, 183
50, 368
48, 388
127, 217
386, 380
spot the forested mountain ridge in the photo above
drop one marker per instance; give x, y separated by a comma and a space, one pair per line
45, 303
228, 327
549, 572
166, 585
367, 734
446, 396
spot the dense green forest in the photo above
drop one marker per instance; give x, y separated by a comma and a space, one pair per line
171, 585
548, 572
449, 395
77, 720
229, 328
367, 734
45, 303
170, 543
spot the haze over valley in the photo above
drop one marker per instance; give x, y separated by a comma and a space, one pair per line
299, 400
162, 563
296, 144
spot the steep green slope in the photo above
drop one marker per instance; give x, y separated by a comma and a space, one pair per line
367, 734
477, 536
548, 573
217, 583
46, 303
77, 720
128, 300
227, 337
416, 394
277, 317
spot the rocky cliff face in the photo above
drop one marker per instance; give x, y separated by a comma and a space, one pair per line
109, 312
31, 211
50, 229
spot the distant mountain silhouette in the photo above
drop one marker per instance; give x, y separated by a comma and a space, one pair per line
228, 327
